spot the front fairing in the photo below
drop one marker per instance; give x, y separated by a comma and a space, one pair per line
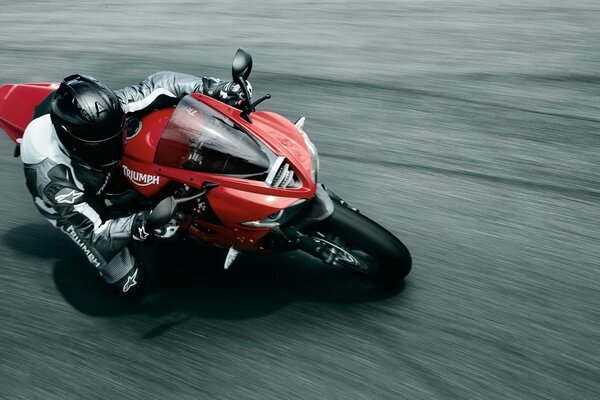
183, 147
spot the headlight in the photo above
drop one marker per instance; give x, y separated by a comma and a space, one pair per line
314, 155
279, 217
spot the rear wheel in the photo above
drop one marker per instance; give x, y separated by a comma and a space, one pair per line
351, 240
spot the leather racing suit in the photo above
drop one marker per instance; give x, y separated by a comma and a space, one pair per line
72, 197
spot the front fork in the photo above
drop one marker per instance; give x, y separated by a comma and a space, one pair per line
320, 208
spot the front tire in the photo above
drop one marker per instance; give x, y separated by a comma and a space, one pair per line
354, 241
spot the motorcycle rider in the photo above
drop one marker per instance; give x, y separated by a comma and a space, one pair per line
70, 155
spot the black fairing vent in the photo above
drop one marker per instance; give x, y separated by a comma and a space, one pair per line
284, 177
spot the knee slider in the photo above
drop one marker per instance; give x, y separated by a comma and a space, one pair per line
132, 283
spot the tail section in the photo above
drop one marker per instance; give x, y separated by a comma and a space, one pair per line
17, 106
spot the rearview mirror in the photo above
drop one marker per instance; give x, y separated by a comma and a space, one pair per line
242, 65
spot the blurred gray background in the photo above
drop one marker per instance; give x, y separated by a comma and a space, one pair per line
469, 128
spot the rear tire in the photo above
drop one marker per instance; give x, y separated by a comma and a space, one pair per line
352, 240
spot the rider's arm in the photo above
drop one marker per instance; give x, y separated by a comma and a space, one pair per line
162, 89
81, 213
105, 236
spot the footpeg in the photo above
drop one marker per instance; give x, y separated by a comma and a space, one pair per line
231, 256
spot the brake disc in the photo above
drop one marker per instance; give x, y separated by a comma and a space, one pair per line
334, 254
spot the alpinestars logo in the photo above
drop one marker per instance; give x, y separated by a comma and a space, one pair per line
142, 234
68, 198
130, 282
139, 178
90, 256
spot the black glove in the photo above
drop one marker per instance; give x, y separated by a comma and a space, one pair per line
138, 227
140, 232
225, 91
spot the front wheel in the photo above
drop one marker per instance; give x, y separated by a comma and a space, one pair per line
351, 240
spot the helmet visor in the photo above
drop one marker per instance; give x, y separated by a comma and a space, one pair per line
100, 155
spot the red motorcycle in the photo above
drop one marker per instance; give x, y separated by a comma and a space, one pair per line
241, 179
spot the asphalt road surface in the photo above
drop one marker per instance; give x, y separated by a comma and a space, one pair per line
469, 129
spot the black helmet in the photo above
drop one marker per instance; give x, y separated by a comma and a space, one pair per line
89, 122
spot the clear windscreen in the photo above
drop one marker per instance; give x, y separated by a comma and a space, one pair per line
199, 138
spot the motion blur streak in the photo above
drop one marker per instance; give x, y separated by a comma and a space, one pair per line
474, 130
